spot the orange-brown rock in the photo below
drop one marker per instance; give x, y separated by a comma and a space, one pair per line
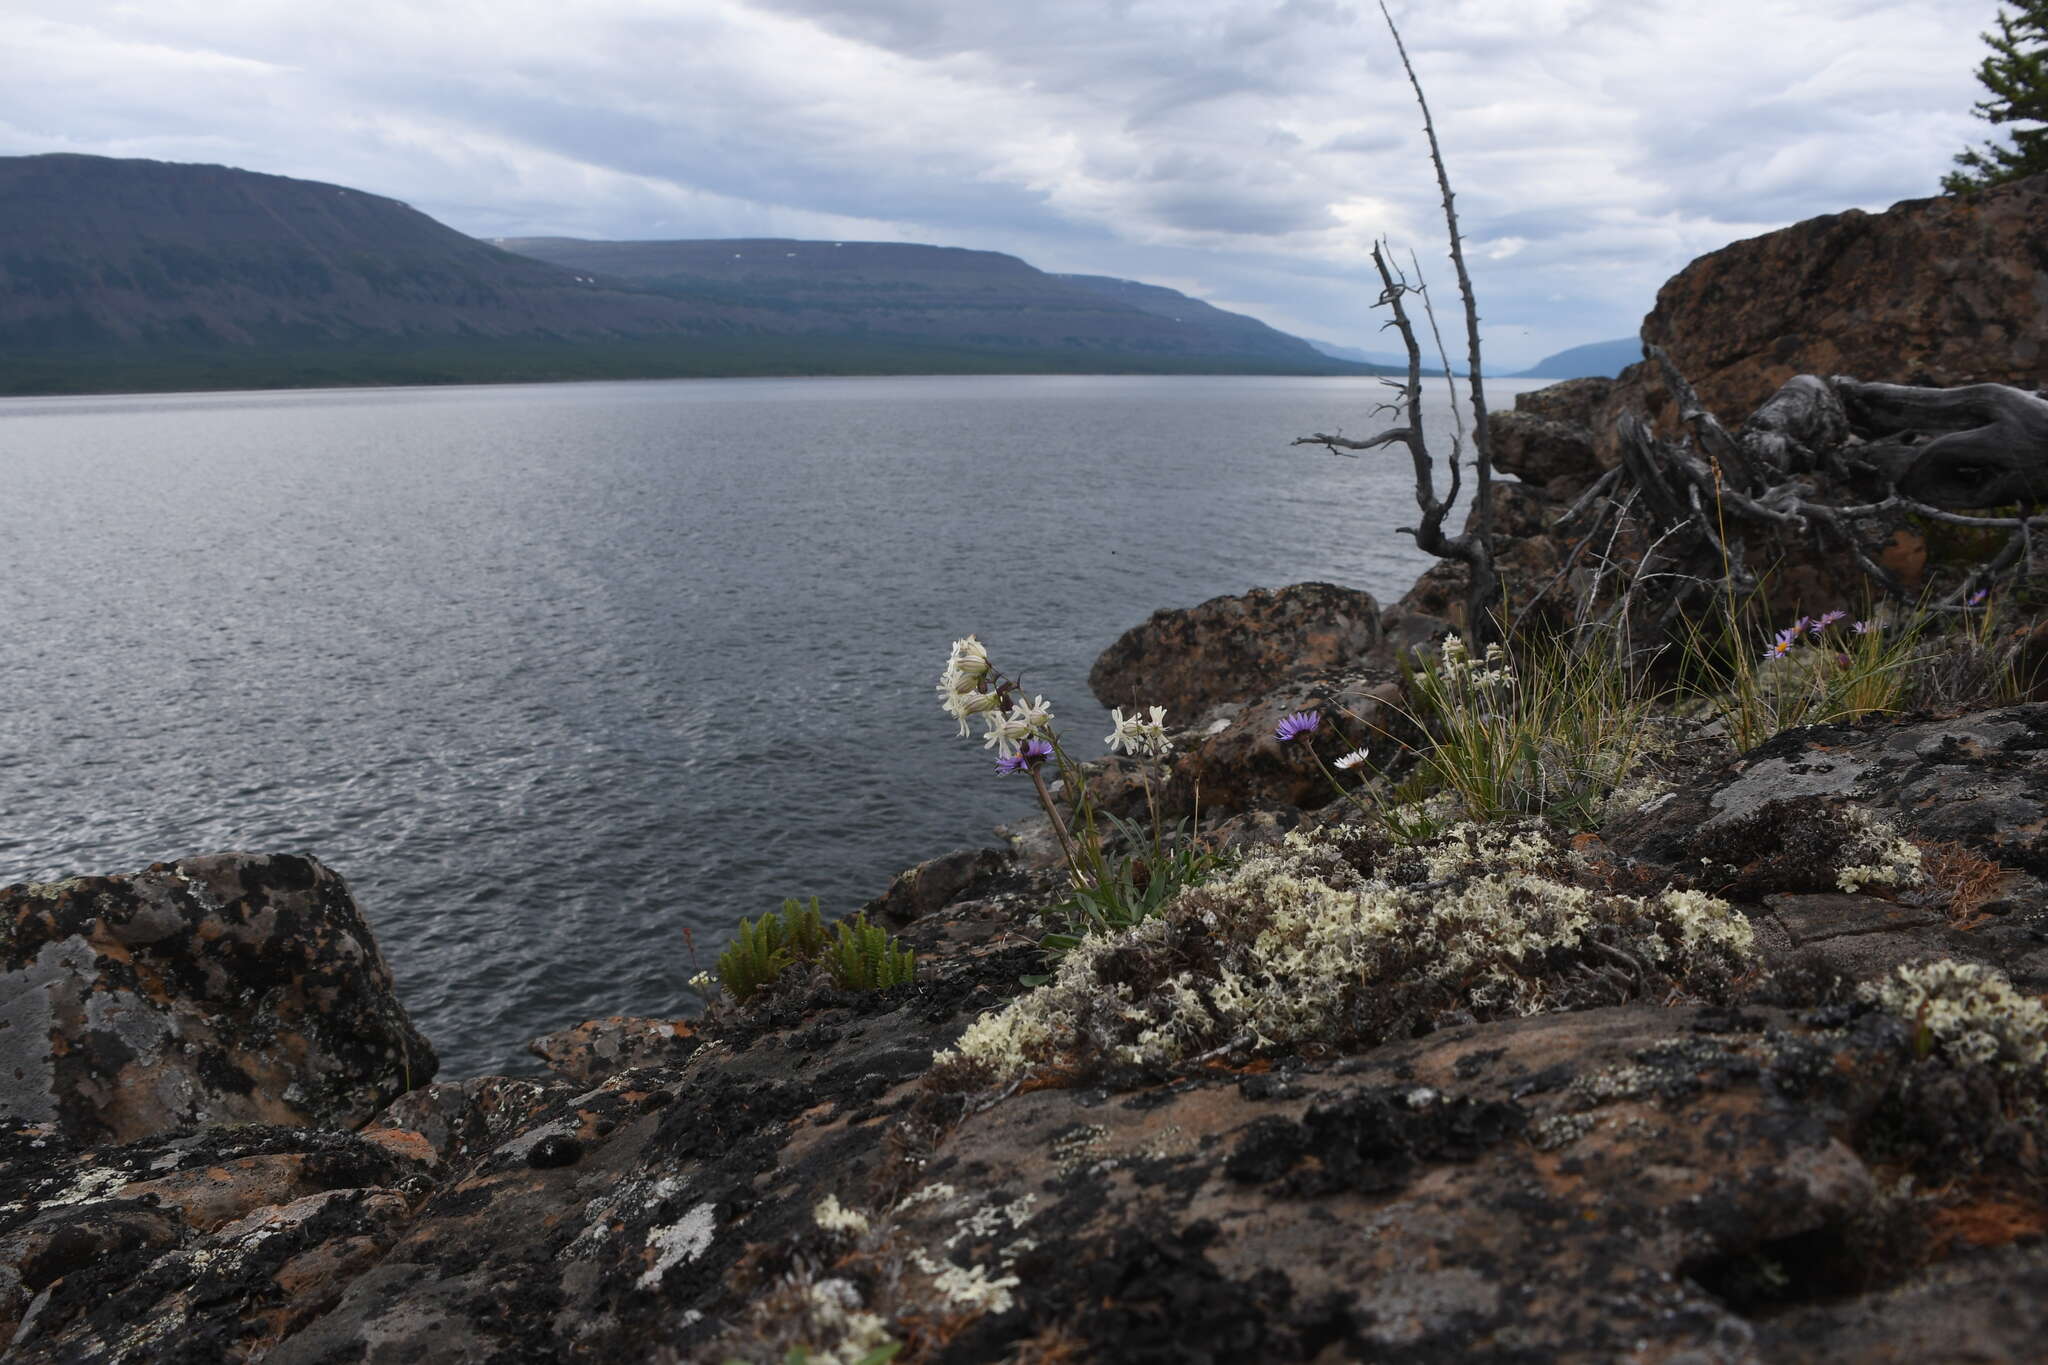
1230, 649
1941, 291
208, 1196
1547, 438
596, 1048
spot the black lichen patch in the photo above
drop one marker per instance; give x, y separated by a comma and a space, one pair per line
196, 1306
37, 1169
1471, 1064
1792, 845
1369, 1141
554, 1150
1150, 1295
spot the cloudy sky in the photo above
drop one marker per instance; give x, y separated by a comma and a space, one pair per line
1246, 151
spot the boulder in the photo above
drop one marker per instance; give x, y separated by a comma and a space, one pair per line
935, 882
1231, 648
1240, 765
1942, 291
1574, 402
594, 1049
1557, 455
228, 988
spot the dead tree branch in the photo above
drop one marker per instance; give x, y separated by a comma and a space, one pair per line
1784, 473
1473, 547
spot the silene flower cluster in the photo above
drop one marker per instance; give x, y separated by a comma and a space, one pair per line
1017, 730
1458, 666
1020, 730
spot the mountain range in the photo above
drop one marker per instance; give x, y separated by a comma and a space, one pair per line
1606, 359
126, 274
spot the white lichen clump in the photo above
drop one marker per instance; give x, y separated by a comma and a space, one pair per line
835, 1312
1876, 855
1969, 1013
969, 1289
831, 1216
1298, 946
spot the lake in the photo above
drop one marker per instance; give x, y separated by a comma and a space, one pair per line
552, 673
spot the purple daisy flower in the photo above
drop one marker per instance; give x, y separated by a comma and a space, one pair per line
1028, 756
1977, 597
1861, 627
1299, 724
1782, 646
1827, 619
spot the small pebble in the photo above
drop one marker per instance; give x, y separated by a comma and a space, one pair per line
554, 1150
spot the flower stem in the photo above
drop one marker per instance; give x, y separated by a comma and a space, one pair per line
1059, 826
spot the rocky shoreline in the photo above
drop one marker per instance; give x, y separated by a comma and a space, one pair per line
1755, 1073
223, 1155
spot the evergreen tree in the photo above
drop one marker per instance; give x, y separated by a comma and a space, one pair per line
2016, 74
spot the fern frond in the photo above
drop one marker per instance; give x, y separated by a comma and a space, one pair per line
804, 929
756, 956
865, 958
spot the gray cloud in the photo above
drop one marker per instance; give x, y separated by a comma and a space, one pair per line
1244, 150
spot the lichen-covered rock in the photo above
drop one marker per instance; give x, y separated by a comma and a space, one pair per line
455, 1120
1232, 648
1938, 292
1814, 821
594, 1049
1980, 779
1626, 1183
233, 987
1237, 764
1633, 1182
131, 1253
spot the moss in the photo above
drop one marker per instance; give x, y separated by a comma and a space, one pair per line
1337, 939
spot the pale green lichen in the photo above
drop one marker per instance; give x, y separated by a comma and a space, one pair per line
1875, 854
1324, 940
969, 1288
831, 1216
836, 1319
1970, 1014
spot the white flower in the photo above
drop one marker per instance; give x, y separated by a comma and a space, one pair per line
1036, 714
969, 659
1005, 733
1135, 734
961, 705
1155, 733
1351, 760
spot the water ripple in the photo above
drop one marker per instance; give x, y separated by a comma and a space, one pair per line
555, 673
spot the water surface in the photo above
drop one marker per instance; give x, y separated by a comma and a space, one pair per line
552, 673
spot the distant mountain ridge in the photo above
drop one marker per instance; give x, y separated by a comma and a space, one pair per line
905, 290
99, 251
1604, 359
147, 275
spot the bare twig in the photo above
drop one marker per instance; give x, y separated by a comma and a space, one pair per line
1483, 596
